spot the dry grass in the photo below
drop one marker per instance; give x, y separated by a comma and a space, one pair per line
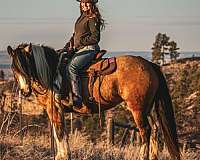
36, 143
38, 148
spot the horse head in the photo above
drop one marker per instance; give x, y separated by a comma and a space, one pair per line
33, 64
21, 67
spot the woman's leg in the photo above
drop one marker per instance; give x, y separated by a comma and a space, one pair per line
79, 63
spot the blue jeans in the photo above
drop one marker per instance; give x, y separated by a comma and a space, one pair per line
80, 61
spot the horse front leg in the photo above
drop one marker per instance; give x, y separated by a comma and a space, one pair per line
56, 116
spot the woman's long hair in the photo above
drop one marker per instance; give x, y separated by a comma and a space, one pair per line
95, 12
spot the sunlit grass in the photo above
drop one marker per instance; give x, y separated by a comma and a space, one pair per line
38, 148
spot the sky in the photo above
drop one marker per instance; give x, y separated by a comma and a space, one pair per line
131, 25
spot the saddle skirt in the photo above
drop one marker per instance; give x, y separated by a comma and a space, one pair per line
102, 67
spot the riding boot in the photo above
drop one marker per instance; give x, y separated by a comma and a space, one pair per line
76, 90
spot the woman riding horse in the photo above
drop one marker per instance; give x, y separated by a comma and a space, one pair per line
84, 42
137, 82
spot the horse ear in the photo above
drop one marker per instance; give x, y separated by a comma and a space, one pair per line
10, 51
28, 48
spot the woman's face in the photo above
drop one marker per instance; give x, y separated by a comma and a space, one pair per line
86, 6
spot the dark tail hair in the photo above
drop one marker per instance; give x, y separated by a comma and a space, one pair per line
164, 110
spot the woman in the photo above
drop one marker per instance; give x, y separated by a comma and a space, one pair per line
84, 42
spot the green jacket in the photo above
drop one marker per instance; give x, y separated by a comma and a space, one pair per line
86, 32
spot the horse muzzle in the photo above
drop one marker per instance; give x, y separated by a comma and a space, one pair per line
24, 87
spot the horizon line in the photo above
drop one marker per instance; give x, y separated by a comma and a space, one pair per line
133, 51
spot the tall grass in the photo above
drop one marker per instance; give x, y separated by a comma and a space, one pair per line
38, 148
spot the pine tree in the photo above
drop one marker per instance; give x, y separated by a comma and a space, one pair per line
174, 54
159, 48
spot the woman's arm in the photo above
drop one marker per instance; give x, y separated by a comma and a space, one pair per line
70, 44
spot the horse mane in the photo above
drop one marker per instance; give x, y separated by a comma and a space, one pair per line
46, 61
52, 57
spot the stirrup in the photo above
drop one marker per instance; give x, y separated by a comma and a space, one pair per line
83, 109
77, 107
91, 99
67, 104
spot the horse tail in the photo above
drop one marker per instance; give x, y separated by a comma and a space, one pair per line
165, 113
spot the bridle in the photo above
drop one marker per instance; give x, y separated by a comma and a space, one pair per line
28, 81
31, 83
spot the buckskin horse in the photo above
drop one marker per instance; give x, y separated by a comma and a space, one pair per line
135, 81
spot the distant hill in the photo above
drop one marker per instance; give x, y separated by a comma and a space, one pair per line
3, 51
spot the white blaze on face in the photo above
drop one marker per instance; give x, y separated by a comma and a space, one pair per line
22, 83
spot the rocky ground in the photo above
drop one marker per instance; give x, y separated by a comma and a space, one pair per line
184, 84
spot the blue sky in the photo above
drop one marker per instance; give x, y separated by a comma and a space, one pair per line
131, 24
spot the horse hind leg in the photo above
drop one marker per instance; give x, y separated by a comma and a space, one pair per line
153, 150
142, 124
